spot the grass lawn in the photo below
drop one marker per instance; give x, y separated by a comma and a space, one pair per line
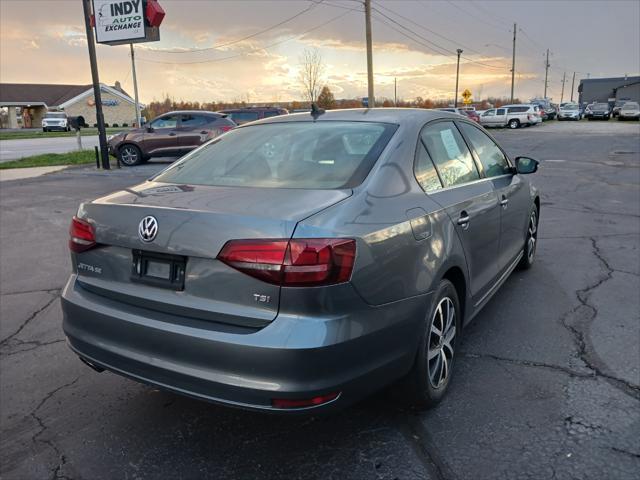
40, 134
50, 159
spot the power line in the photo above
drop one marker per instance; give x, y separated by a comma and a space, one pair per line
313, 5
447, 52
467, 12
295, 37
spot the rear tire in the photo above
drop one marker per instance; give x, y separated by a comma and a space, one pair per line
514, 123
531, 241
130, 155
426, 384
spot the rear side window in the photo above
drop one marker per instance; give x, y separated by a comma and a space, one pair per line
244, 116
313, 155
518, 109
424, 170
271, 113
449, 153
192, 121
491, 157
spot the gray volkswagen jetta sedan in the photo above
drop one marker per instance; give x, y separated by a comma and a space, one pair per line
301, 262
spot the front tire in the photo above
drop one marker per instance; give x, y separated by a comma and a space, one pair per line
130, 155
514, 123
427, 382
531, 241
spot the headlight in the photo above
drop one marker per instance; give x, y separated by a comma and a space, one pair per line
110, 137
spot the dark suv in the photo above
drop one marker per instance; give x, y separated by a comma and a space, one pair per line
250, 114
169, 135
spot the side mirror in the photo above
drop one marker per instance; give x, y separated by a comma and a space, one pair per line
525, 165
149, 128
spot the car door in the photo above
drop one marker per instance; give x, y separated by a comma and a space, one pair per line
488, 118
161, 137
512, 191
501, 117
194, 130
470, 202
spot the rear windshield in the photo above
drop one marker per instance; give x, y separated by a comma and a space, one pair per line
323, 155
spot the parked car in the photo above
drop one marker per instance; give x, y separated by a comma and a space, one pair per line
600, 111
513, 116
169, 135
617, 106
630, 111
251, 114
472, 114
547, 110
587, 111
295, 283
55, 121
570, 111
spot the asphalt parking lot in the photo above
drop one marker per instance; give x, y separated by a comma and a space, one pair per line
547, 384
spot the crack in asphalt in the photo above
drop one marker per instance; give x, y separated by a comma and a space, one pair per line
578, 329
414, 432
530, 363
587, 209
34, 344
626, 452
55, 471
40, 290
31, 317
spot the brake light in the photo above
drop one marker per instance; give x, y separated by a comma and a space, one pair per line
225, 128
81, 235
294, 263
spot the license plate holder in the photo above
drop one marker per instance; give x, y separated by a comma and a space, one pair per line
158, 269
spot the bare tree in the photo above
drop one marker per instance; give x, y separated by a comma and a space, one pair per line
311, 72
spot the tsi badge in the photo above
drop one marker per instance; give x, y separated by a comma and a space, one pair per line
262, 298
148, 229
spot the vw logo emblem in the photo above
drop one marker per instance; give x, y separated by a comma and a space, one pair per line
148, 229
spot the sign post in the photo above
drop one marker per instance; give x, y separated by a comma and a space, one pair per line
118, 22
102, 134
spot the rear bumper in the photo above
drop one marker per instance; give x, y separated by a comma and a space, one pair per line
294, 357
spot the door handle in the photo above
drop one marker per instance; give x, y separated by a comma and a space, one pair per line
463, 221
172, 134
504, 202
204, 132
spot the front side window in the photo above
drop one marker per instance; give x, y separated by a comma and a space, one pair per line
169, 121
501, 111
322, 155
449, 153
489, 113
425, 171
491, 157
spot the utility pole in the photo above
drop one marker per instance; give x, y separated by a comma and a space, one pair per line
395, 91
513, 62
573, 82
564, 79
455, 102
135, 85
546, 73
102, 136
367, 19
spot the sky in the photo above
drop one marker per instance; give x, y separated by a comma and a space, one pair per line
414, 42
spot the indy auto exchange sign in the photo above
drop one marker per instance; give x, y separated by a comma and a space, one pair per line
118, 20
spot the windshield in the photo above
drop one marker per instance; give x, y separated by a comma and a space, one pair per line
324, 155
55, 115
570, 106
630, 106
600, 106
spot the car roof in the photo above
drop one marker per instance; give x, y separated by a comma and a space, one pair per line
396, 116
251, 109
200, 112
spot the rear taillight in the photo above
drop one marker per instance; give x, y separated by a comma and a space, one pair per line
304, 402
295, 263
81, 235
226, 128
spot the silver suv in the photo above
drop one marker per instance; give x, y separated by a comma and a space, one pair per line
512, 116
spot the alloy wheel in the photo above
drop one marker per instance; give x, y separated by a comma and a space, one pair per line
532, 236
129, 155
440, 342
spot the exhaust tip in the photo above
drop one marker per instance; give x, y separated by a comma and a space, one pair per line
91, 365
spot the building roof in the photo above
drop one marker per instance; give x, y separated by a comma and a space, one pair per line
51, 95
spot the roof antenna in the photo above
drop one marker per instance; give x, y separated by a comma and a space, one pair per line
316, 111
